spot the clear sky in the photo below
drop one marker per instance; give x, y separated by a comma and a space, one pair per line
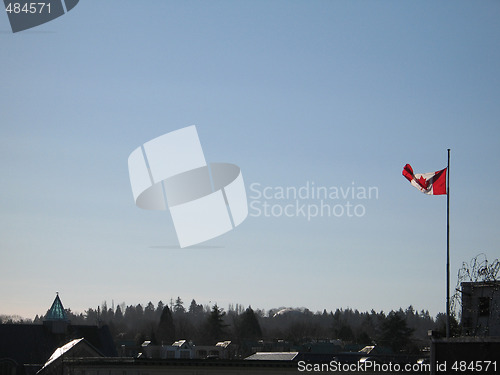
335, 94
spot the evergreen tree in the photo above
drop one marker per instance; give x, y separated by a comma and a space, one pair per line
159, 310
130, 315
91, 316
152, 337
110, 316
215, 326
166, 327
247, 325
395, 333
366, 330
149, 312
179, 306
139, 310
345, 333
364, 339
104, 312
195, 309
118, 314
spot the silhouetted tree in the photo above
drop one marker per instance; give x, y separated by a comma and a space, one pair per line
179, 306
215, 326
90, 316
366, 330
118, 314
149, 312
166, 327
395, 333
364, 339
139, 311
440, 325
159, 310
195, 309
152, 337
345, 333
247, 325
104, 312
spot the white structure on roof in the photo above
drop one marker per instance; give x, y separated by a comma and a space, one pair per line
273, 356
74, 348
59, 352
179, 349
184, 349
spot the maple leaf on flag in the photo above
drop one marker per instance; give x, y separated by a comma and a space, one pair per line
422, 182
428, 183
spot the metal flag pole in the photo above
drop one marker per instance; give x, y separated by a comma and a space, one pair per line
448, 248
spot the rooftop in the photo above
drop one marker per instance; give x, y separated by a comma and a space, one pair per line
56, 311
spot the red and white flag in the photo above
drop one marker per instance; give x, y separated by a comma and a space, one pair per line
428, 183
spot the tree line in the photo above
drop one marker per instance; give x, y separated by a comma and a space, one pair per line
399, 331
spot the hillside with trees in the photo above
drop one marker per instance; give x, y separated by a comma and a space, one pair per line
399, 331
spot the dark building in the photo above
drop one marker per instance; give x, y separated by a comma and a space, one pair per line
25, 348
478, 350
465, 355
481, 308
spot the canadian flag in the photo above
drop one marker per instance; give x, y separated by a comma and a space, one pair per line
428, 183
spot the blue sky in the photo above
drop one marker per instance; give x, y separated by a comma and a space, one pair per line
339, 93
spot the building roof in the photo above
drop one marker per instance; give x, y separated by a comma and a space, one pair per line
35, 343
75, 348
182, 344
59, 352
56, 311
273, 356
367, 349
223, 344
485, 283
179, 343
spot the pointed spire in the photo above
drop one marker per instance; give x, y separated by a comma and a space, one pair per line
56, 312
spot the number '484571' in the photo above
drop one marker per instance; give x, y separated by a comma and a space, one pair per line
27, 8
477, 366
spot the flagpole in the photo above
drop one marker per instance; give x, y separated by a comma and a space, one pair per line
448, 249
